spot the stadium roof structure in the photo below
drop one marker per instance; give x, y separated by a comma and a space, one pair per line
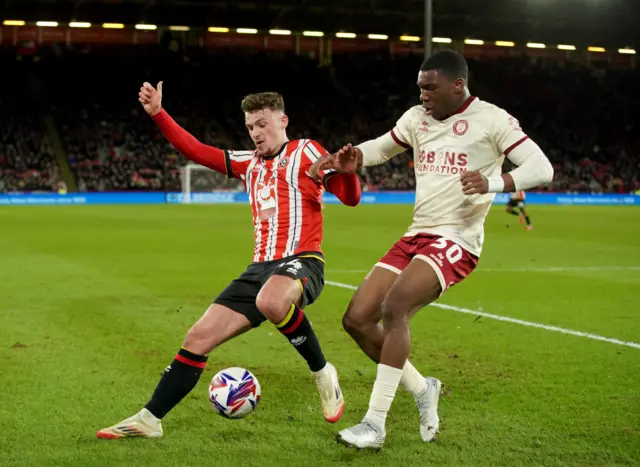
602, 22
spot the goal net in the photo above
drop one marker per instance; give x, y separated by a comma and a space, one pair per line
203, 185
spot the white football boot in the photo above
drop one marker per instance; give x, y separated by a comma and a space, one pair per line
427, 402
364, 435
330, 393
141, 425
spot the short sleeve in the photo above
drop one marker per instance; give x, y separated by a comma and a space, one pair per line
402, 133
506, 133
313, 151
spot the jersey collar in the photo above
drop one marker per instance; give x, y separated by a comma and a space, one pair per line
465, 105
266, 158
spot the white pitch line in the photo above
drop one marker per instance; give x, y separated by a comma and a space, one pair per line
596, 337
547, 269
563, 268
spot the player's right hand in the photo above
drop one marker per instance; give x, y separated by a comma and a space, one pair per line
347, 159
151, 98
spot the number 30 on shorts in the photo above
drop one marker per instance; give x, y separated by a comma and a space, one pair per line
453, 252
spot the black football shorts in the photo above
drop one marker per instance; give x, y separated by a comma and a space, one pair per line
240, 295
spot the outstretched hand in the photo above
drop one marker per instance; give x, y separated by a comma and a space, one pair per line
323, 163
345, 160
151, 98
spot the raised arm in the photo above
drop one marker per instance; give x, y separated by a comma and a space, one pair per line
373, 152
380, 150
182, 140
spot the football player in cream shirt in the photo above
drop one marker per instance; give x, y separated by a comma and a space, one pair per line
459, 143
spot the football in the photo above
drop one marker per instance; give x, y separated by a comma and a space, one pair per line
234, 392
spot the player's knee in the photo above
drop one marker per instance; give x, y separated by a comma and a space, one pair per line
394, 311
350, 323
198, 340
355, 319
274, 307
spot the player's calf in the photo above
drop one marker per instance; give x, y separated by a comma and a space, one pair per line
365, 331
396, 316
363, 315
178, 379
512, 211
362, 323
277, 301
216, 326
527, 219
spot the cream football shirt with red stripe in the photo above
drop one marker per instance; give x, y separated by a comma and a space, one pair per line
477, 137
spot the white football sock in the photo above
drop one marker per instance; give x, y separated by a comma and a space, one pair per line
384, 390
412, 380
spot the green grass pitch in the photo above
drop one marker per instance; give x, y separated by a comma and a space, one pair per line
95, 301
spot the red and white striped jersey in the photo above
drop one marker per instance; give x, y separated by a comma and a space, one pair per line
285, 200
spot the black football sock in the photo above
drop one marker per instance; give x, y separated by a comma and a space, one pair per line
527, 220
178, 380
513, 211
297, 328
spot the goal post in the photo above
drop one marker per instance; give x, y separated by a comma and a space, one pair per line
199, 182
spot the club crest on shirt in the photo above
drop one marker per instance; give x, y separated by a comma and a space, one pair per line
283, 162
460, 127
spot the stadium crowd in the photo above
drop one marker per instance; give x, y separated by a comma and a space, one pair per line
27, 162
582, 117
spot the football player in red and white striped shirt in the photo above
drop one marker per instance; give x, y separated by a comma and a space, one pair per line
517, 202
287, 272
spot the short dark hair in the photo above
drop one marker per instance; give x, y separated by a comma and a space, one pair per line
450, 63
263, 100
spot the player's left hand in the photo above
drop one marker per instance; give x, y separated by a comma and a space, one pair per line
323, 163
474, 183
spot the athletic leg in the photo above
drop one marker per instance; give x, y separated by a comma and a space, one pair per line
293, 285
527, 219
415, 287
363, 316
216, 326
437, 264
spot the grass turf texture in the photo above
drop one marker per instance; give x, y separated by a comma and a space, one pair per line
95, 302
